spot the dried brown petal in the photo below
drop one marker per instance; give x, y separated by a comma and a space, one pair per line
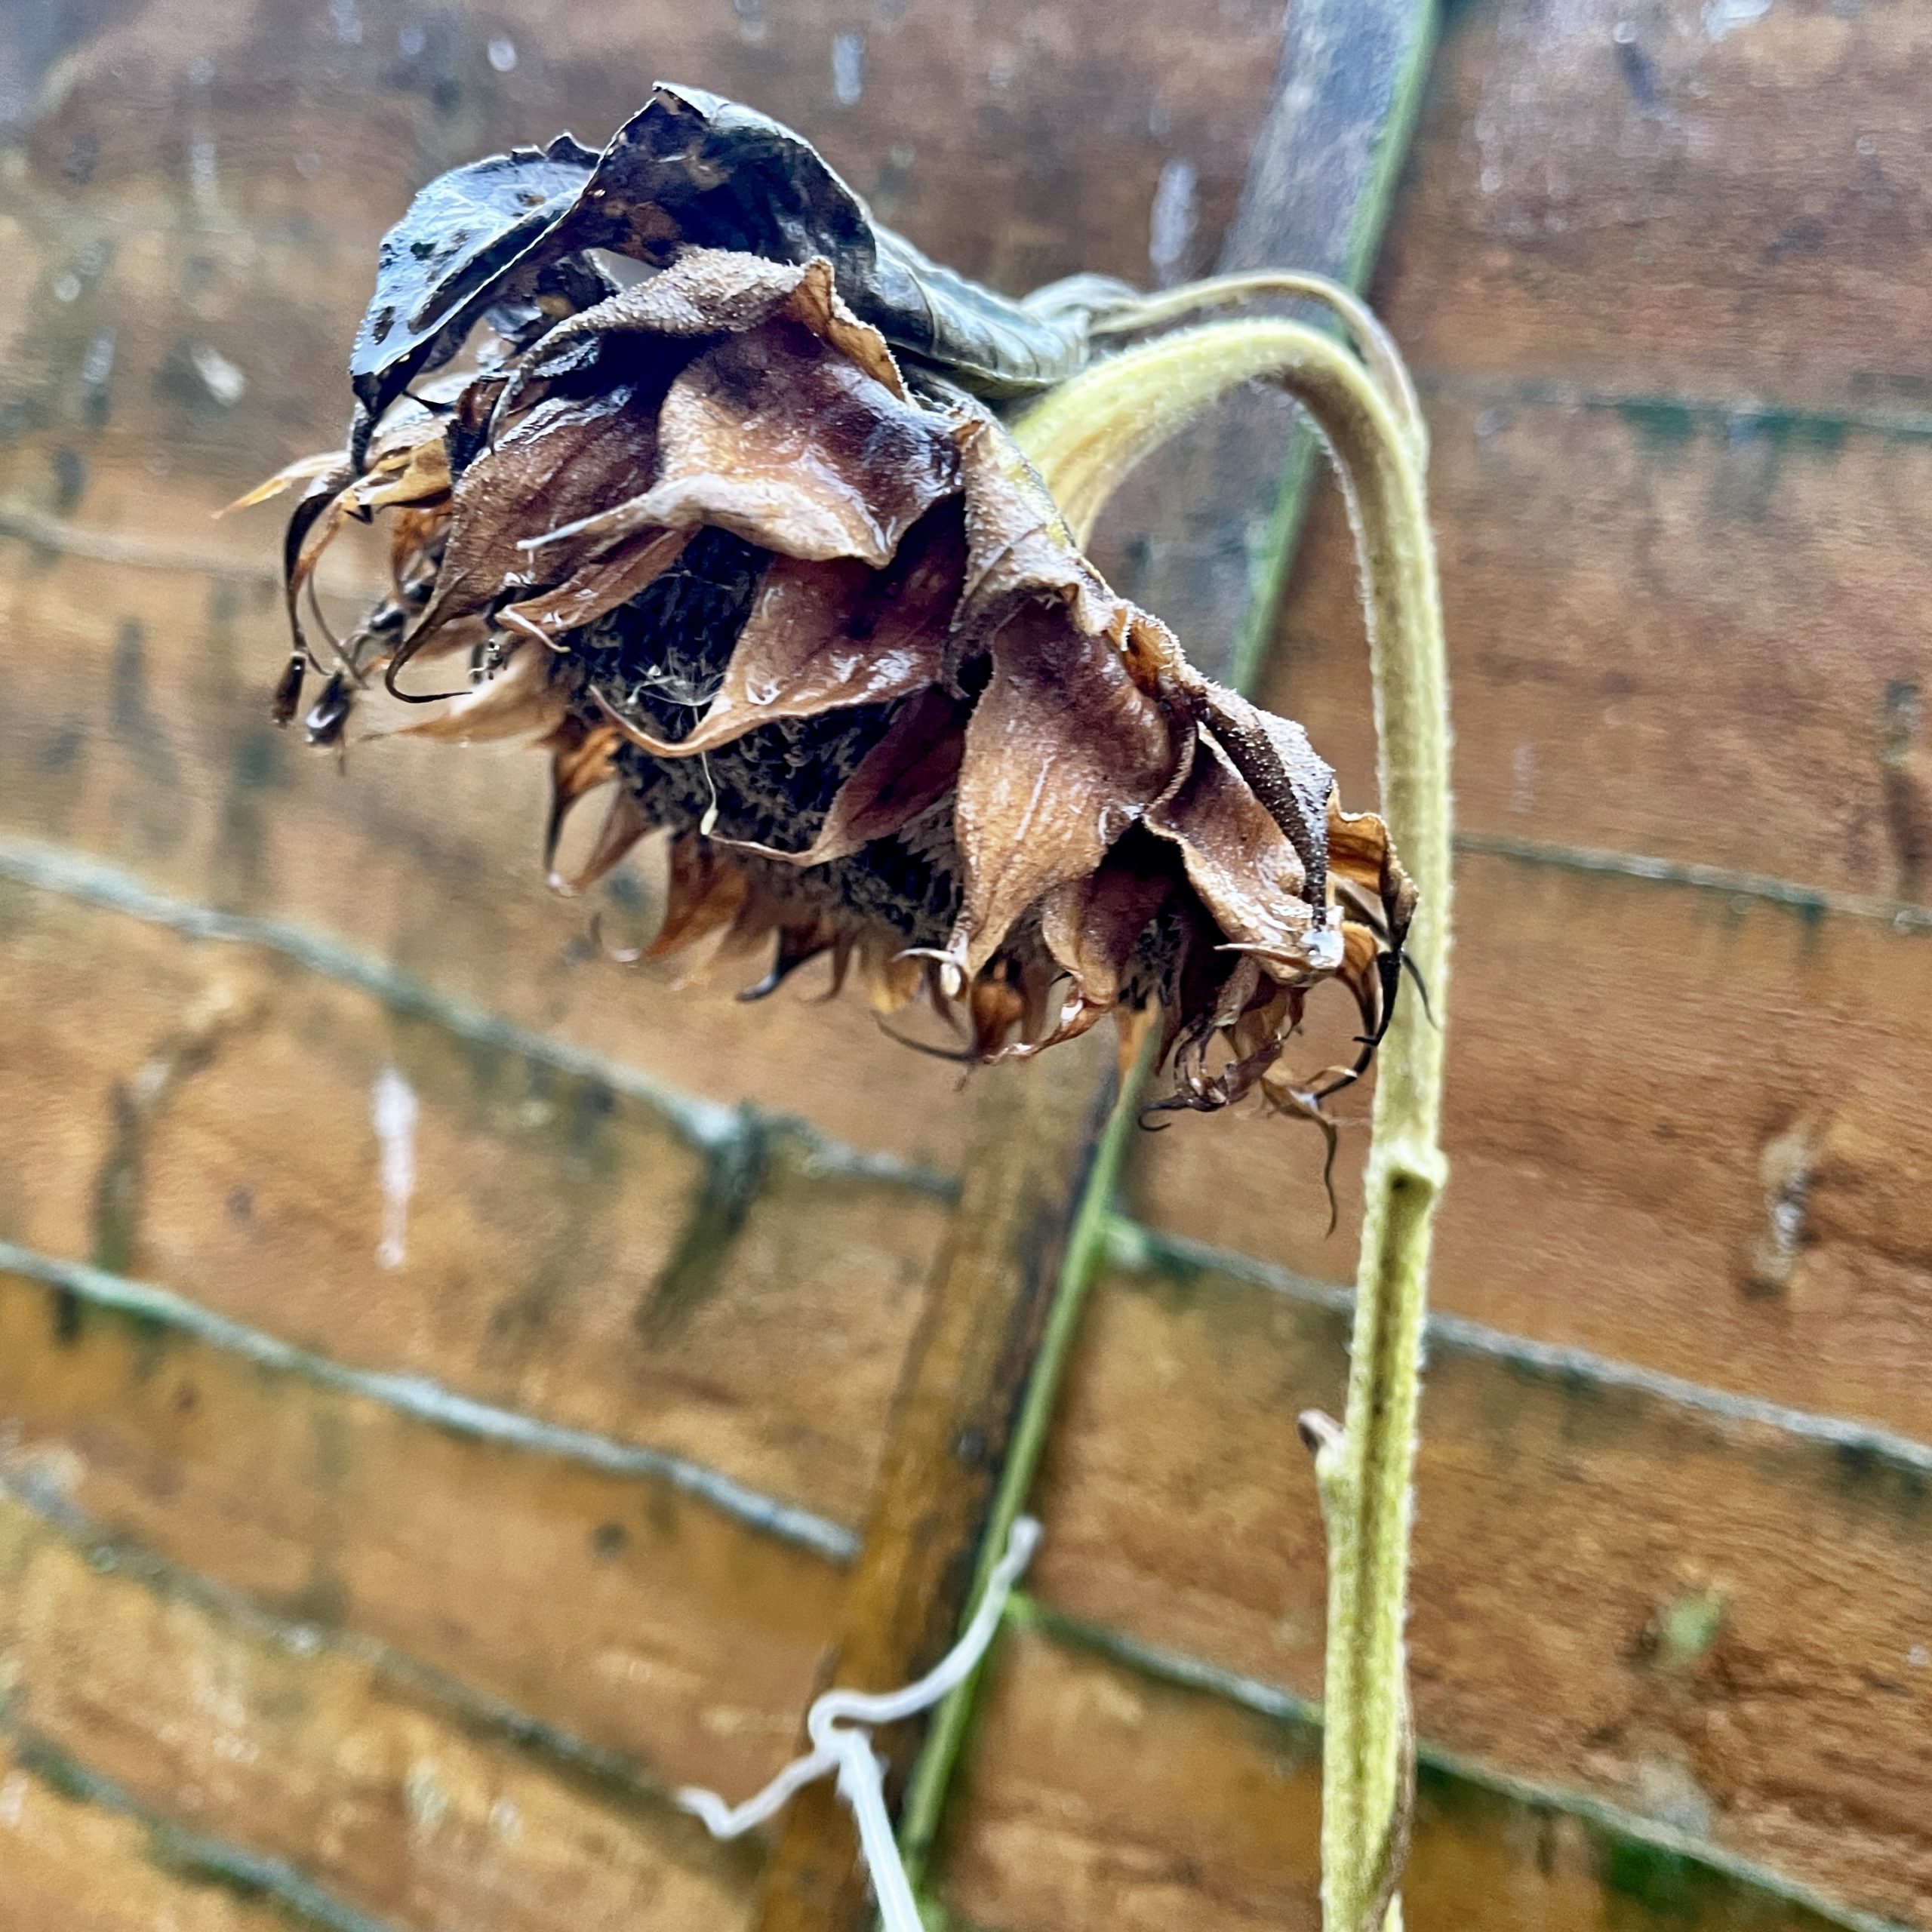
303, 469
598, 586
561, 460
913, 765
1248, 875
1064, 751
711, 291
781, 438
824, 635
522, 700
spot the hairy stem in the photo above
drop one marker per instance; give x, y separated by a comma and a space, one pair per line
1084, 437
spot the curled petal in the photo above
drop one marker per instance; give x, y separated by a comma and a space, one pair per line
624, 824
1361, 853
1018, 547
1280, 767
1064, 751
522, 700
997, 1007
418, 474
1092, 926
581, 757
708, 891
566, 457
781, 438
821, 636
798, 945
1249, 877
913, 765
312, 528
595, 587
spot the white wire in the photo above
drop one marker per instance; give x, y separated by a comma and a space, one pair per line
848, 1751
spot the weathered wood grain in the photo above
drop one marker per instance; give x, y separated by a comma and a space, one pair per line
1688, 1129
1101, 1799
1035, 1135
1680, 634
1701, 1619
133, 726
603, 1604
321, 1760
1674, 199
202, 1115
67, 1864
196, 179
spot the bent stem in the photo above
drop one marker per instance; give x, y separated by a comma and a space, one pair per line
1084, 437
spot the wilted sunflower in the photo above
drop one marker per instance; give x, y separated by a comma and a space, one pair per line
743, 544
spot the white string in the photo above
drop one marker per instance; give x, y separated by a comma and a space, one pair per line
836, 1746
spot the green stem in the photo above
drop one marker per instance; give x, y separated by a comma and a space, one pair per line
1084, 437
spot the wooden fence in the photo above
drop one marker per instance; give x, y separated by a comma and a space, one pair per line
390, 1587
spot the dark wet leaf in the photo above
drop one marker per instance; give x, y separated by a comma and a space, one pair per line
692, 169
448, 258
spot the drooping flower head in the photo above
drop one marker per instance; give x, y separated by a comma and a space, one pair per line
739, 537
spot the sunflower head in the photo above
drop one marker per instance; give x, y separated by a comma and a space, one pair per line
742, 544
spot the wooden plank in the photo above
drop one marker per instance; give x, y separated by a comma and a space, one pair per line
1104, 1800
217, 182
604, 1604
202, 1115
1695, 1616
315, 1757
1026, 1168
1683, 635
1675, 200
1688, 1130
133, 726
68, 1863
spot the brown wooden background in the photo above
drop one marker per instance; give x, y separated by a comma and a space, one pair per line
287, 1630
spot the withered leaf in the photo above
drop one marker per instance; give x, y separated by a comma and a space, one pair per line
451, 255
725, 176
693, 170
